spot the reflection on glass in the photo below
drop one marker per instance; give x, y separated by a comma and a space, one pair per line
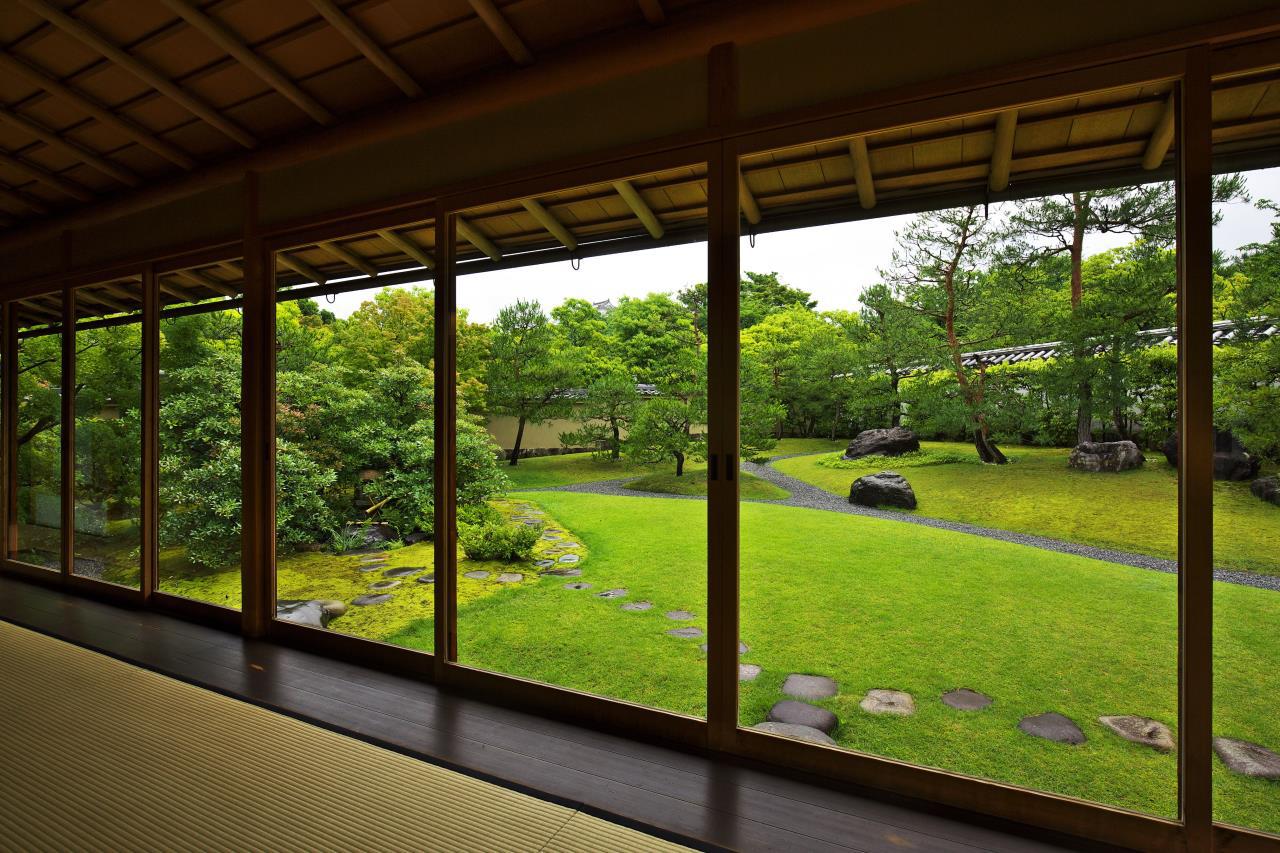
108, 434
582, 475
1246, 509
38, 510
199, 436
975, 568
355, 497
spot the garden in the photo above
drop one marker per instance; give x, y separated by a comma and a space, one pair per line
1015, 619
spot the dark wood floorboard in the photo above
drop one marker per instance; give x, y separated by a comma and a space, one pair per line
709, 801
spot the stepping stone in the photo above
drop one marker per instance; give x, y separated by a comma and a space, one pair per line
612, 593
510, 577
570, 544
1247, 759
531, 523
964, 699
809, 686
687, 633
372, 567
806, 733
565, 573
743, 648
636, 606
1052, 726
888, 702
384, 585
380, 557
313, 614
431, 578
544, 564
797, 713
403, 571
577, 585
550, 537
748, 671
477, 576
679, 615
569, 558
553, 530
1141, 730
366, 600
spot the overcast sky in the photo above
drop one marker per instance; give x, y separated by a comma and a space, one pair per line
833, 262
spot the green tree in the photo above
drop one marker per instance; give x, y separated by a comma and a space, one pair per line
663, 429
528, 374
606, 410
936, 271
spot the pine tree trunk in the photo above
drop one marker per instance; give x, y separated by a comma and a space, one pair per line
617, 441
515, 451
987, 450
679, 463
895, 418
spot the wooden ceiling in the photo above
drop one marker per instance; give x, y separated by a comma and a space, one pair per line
101, 96
98, 96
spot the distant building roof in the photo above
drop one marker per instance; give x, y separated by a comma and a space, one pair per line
1223, 331
603, 307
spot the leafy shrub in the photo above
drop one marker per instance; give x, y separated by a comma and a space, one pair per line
498, 541
341, 541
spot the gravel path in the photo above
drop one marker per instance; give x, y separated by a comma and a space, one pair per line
811, 497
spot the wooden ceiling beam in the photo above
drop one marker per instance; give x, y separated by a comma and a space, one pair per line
169, 287
862, 172
747, 201
548, 220
44, 176
372, 51
502, 31
103, 299
349, 258
22, 199
640, 208
224, 38
103, 115
201, 280
411, 249
469, 233
1161, 137
301, 267
66, 146
144, 72
653, 11
1002, 150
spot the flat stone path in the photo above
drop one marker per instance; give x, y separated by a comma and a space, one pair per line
808, 496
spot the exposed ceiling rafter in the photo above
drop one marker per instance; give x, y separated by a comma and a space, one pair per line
91, 38
502, 31
469, 233
1002, 150
548, 221
640, 208
224, 38
66, 146
410, 248
862, 172
371, 50
1161, 137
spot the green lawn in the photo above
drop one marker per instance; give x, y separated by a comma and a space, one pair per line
1037, 493
542, 472
750, 487
909, 608
787, 446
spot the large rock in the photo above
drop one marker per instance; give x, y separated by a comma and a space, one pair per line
1267, 489
802, 714
373, 534
888, 488
1110, 456
1230, 459
1247, 759
799, 686
882, 442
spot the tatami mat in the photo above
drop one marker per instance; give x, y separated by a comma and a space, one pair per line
98, 755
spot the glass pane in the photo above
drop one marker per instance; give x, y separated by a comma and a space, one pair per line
199, 433
354, 437
1246, 462
108, 436
38, 510
973, 566
581, 454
